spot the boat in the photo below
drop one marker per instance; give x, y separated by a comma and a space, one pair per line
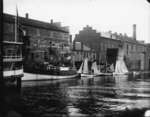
58, 64
96, 71
120, 68
84, 70
50, 73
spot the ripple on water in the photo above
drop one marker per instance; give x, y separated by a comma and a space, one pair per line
84, 97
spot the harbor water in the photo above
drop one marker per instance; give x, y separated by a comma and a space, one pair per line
102, 96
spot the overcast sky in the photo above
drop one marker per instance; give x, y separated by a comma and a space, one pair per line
102, 15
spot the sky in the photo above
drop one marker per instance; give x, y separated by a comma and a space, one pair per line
103, 15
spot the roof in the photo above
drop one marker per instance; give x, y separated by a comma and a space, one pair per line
109, 36
34, 23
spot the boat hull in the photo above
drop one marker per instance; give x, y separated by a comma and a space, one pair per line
87, 75
95, 75
122, 73
104, 74
33, 76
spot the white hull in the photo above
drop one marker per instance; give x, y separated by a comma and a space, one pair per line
120, 73
87, 75
12, 73
31, 76
94, 75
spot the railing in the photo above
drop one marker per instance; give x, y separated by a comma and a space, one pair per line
13, 42
12, 58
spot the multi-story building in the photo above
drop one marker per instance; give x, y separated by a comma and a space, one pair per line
12, 48
107, 44
43, 42
94, 40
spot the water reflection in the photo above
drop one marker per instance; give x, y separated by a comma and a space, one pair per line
88, 96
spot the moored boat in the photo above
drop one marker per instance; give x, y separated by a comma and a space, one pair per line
84, 70
120, 68
31, 76
51, 73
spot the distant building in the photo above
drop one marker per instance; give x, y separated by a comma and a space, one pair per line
80, 52
94, 40
148, 56
107, 44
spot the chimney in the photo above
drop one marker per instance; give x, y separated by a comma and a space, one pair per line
51, 21
27, 15
70, 39
134, 31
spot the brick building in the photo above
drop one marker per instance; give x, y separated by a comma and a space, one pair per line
106, 45
43, 41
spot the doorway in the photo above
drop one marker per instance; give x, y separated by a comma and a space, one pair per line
111, 55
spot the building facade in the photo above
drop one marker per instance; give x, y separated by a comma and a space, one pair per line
106, 45
43, 42
148, 56
80, 52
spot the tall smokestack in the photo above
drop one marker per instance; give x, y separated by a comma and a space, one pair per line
51, 21
134, 31
70, 39
27, 15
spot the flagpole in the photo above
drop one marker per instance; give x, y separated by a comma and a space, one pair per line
2, 84
16, 24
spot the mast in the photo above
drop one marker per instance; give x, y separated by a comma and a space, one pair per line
2, 85
1, 43
16, 24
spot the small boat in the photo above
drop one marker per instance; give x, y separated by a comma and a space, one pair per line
94, 67
120, 68
97, 72
84, 70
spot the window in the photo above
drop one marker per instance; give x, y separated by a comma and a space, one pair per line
32, 56
127, 49
45, 56
101, 45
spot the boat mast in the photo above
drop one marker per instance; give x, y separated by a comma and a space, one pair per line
1, 52
16, 25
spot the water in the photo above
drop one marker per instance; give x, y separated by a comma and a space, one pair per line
98, 97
